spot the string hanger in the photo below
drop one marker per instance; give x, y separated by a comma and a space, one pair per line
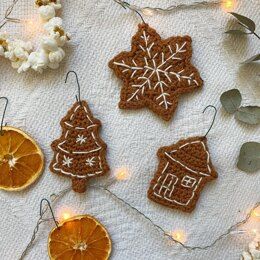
42, 211
214, 117
126, 5
2, 121
78, 97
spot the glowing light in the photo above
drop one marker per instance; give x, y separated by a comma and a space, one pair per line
254, 231
122, 174
256, 213
179, 235
65, 213
147, 11
33, 27
229, 5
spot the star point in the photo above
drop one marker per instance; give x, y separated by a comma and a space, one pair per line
155, 72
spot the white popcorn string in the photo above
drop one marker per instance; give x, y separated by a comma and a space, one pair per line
50, 52
3, 117
54, 197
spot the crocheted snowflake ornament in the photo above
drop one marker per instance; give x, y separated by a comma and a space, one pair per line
184, 170
79, 153
155, 72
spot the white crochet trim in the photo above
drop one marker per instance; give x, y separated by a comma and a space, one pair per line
49, 54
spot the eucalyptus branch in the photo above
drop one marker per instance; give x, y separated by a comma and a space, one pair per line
250, 26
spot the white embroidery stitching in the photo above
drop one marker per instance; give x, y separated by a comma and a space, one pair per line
188, 182
162, 98
90, 161
170, 188
81, 139
58, 154
67, 161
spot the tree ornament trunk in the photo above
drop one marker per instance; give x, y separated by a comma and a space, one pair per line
79, 185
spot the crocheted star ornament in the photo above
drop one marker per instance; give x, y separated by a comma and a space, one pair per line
79, 153
155, 72
184, 170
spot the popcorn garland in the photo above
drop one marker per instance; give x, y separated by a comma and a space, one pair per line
253, 250
50, 52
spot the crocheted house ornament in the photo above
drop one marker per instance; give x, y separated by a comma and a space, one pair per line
184, 169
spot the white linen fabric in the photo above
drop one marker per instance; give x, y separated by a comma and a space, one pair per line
101, 29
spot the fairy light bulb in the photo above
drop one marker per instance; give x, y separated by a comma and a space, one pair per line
228, 5
179, 235
254, 231
147, 12
65, 213
122, 174
256, 213
33, 26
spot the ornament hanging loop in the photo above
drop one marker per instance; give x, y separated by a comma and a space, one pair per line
2, 121
126, 5
214, 117
42, 211
78, 98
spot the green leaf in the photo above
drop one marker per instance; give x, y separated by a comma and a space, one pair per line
248, 23
237, 32
249, 115
231, 100
249, 157
252, 59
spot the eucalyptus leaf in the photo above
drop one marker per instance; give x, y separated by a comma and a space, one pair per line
249, 157
237, 32
252, 59
231, 100
249, 115
248, 23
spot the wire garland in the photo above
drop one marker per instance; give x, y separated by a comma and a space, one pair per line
55, 197
228, 232
8, 12
149, 10
41, 220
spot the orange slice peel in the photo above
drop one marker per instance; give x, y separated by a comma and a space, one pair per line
21, 160
79, 238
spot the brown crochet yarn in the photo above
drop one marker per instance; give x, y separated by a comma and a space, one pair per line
184, 169
79, 153
155, 72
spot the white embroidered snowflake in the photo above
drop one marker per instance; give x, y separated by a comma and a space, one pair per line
156, 71
81, 139
67, 161
90, 162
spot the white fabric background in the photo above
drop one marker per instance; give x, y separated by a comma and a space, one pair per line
100, 30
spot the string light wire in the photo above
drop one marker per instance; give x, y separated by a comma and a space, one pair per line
55, 197
41, 220
229, 231
147, 10
169, 8
8, 12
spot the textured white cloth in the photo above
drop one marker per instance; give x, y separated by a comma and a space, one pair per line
100, 30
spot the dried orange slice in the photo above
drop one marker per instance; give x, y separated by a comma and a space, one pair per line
21, 160
79, 238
